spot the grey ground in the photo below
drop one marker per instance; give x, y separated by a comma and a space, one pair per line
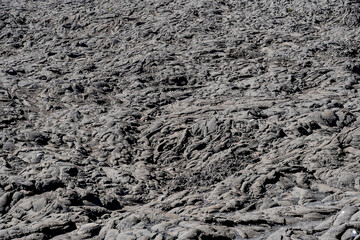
179, 119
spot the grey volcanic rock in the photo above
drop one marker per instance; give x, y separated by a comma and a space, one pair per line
179, 119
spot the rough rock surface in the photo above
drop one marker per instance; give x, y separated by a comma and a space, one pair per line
179, 119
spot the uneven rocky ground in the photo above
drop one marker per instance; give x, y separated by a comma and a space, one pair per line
179, 119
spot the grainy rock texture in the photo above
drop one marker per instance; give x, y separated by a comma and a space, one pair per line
179, 119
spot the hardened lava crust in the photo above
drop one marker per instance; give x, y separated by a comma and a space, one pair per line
179, 119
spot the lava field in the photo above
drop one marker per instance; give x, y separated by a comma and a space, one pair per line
179, 119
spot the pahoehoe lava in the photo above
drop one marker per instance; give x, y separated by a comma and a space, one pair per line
179, 119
